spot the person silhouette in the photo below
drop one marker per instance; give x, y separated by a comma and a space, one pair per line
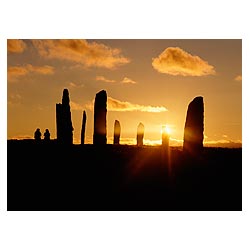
37, 135
46, 135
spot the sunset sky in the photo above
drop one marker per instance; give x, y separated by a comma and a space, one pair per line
150, 81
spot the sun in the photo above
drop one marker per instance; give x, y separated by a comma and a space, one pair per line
165, 130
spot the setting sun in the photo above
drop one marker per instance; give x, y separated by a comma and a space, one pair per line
165, 130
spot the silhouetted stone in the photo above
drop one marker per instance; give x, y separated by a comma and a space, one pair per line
117, 132
37, 134
194, 127
46, 135
84, 118
165, 137
63, 120
140, 134
100, 112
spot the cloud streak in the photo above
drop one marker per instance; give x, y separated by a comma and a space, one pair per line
14, 99
127, 80
16, 45
121, 106
175, 61
14, 72
88, 54
76, 106
223, 143
238, 78
73, 85
104, 79
21, 137
116, 105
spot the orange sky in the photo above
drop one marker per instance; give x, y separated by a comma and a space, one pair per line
150, 81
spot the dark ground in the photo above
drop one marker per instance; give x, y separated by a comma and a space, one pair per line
51, 177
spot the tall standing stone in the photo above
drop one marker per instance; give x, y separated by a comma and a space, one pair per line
100, 113
194, 127
140, 134
84, 118
117, 132
63, 120
165, 137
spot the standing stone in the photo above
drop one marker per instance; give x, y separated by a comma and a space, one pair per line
194, 127
84, 118
117, 132
100, 113
63, 120
165, 137
140, 134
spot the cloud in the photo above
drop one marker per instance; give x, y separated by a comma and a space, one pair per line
14, 72
123, 140
116, 105
14, 99
21, 137
223, 143
76, 106
149, 142
72, 85
43, 70
88, 54
103, 79
125, 80
128, 80
121, 106
126, 140
175, 61
15, 45
238, 78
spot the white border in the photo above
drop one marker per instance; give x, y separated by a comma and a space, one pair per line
125, 230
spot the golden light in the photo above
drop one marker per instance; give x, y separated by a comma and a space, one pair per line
165, 134
165, 130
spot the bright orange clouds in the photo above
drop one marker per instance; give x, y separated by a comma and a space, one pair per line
14, 72
116, 105
14, 99
238, 78
175, 61
15, 45
76, 106
122, 106
89, 54
127, 80
104, 79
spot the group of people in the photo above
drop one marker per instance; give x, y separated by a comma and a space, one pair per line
38, 135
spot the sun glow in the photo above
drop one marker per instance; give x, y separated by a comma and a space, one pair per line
165, 130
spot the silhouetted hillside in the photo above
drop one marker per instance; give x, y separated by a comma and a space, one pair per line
48, 176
